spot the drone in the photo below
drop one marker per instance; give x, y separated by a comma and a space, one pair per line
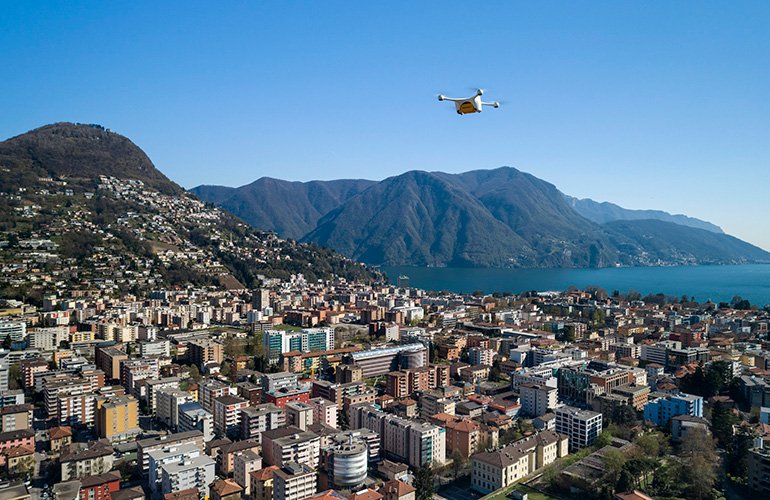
469, 105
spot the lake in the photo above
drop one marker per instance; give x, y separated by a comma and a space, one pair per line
718, 283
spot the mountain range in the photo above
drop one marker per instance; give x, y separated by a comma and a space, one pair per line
82, 207
487, 218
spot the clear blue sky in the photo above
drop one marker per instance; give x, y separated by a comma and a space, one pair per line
646, 104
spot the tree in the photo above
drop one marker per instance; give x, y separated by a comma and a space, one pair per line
700, 459
652, 444
14, 377
737, 459
624, 415
614, 460
722, 421
423, 483
7, 342
604, 439
458, 462
195, 373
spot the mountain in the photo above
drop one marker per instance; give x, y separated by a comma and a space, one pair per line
78, 152
669, 242
601, 212
291, 209
489, 218
406, 219
83, 208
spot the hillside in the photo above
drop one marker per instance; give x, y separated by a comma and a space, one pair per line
84, 208
408, 219
291, 209
608, 212
489, 218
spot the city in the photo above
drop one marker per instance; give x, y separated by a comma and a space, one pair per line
336, 389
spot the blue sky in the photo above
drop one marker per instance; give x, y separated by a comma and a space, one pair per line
660, 105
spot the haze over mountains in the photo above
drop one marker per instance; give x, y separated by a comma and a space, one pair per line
494, 218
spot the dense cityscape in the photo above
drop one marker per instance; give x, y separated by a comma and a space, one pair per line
335, 389
384, 251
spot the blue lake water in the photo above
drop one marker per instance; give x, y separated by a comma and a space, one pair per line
718, 283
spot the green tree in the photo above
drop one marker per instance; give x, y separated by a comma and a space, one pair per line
195, 373
423, 483
14, 377
614, 460
722, 421
700, 460
604, 439
7, 342
737, 459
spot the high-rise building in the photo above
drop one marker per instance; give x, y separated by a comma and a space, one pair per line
294, 481
169, 454
117, 418
277, 342
169, 400
258, 419
197, 473
193, 417
324, 411
299, 415
291, 444
537, 399
227, 415
581, 426
203, 352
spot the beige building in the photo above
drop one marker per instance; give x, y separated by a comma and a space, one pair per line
294, 481
205, 351
491, 471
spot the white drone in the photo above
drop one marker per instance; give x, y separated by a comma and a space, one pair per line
469, 105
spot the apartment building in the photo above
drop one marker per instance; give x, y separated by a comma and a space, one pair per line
294, 481
209, 390
227, 415
258, 419
324, 411
481, 356
205, 351
661, 409
299, 415
536, 399
197, 473
108, 360
159, 457
291, 444
117, 418
144, 446
153, 386
169, 400
192, 417
582, 427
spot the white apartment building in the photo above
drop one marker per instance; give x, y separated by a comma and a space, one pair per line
170, 454
481, 356
195, 473
536, 399
244, 464
581, 426
294, 481
192, 417
169, 400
